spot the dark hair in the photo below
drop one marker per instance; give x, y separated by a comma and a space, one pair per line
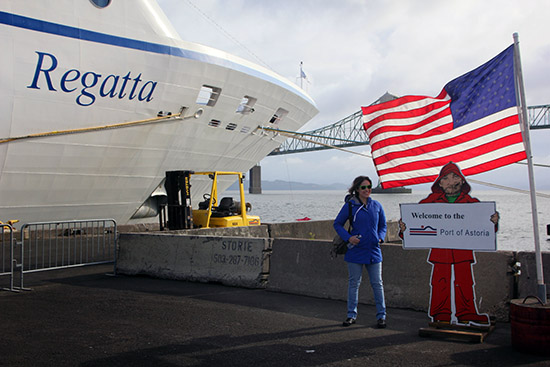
356, 183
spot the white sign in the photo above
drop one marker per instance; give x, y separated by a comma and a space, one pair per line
464, 226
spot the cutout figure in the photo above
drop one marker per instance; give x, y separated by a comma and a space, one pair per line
452, 280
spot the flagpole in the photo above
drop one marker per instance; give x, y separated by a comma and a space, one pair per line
541, 287
301, 73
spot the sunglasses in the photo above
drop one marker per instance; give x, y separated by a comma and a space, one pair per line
364, 187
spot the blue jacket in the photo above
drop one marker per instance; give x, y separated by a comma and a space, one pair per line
370, 222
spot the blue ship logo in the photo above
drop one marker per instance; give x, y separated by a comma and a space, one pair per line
423, 231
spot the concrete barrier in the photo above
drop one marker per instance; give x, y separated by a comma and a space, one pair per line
252, 231
320, 230
305, 267
312, 230
236, 261
295, 258
527, 281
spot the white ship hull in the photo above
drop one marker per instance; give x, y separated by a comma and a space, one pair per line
69, 65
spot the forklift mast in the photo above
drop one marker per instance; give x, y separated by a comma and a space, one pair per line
178, 190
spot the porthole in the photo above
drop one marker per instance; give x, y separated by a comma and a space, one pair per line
101, 3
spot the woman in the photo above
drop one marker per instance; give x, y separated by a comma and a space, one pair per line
368, 230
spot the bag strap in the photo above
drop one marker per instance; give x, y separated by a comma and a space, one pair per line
350, 218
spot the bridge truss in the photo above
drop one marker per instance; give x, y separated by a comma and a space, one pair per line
349, 132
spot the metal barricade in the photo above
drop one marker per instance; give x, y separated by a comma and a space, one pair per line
56, 245
7, 253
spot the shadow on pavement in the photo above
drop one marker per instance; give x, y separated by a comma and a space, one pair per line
85, 317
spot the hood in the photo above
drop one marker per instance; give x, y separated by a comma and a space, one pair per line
448, 168
355, 200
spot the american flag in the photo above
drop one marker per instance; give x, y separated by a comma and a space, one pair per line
473, 121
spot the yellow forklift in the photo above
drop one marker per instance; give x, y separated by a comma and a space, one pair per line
211, 213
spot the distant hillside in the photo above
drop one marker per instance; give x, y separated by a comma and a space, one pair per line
290, 185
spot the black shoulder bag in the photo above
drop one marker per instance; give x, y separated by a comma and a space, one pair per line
339, 246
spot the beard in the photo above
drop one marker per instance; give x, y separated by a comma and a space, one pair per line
452, 190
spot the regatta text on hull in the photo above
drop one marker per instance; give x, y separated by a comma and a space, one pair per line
110, 86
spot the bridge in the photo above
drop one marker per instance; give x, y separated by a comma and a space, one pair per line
349, 132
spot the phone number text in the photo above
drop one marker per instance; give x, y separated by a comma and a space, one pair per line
236, 260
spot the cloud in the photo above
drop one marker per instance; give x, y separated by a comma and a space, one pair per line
353, 51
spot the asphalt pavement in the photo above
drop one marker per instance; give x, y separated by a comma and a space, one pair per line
87, 317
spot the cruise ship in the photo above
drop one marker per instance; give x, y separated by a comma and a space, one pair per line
100, 98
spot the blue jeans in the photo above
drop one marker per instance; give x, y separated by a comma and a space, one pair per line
375, 275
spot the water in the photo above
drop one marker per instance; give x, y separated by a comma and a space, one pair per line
515, 228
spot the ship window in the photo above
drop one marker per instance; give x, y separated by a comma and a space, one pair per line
246, 105
214, 123
278, 116
245, 129
231, 126
208, 95
101, 3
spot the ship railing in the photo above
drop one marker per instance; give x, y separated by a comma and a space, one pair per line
61, 244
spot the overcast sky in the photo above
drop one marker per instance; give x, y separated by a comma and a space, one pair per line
354, 51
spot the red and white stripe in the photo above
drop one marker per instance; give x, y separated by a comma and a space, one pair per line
412, 137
